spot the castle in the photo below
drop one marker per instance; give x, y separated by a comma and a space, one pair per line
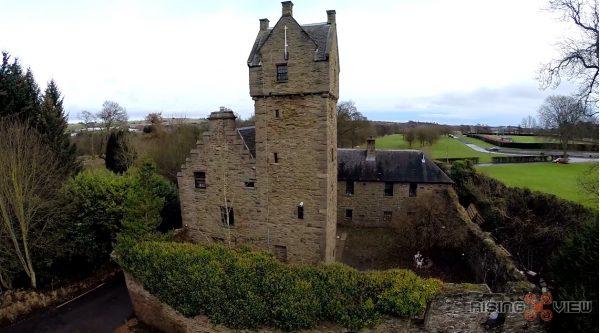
283, 186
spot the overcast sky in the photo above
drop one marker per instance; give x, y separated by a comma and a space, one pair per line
459, 61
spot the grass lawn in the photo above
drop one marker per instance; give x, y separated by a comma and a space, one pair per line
558, 179
478, 142
445, 147
527, 138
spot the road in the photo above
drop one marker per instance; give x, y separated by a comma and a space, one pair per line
99, 311
578, 157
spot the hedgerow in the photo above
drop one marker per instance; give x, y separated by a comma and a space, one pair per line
243, 289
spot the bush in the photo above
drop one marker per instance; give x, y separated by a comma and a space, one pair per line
245, 289
102, 203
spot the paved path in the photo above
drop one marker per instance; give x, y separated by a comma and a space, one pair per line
99, 311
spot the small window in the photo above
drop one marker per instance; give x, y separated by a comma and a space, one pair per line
276, 113
249, 184
349, 187
348, 215
282, 73
227, 216
331, 154
301, 212
275, 158
412, 190
389, 189
200, 179
387, 216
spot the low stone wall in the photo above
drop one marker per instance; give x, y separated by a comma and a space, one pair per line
451, 312
466, 312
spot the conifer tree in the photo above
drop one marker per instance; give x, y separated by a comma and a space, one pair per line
119, 152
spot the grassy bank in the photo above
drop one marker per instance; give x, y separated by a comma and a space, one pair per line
561, 180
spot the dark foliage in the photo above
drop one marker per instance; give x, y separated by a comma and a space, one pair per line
243, 289
119, 153
22, 100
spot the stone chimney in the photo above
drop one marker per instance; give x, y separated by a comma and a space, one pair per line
224, 119
287, 8
370, 149
331, 17
264, 24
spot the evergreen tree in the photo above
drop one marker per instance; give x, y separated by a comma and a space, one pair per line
21, 100
119, 152
54, 126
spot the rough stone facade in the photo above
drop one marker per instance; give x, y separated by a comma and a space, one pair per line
369, 203
290, 208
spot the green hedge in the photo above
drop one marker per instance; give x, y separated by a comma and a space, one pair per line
243, 289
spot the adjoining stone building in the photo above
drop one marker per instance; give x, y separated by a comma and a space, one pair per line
282, 186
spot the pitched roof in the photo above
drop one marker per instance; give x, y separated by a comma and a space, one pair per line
248, 135
403, 166
318, 32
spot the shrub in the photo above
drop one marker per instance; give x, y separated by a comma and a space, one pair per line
102, 204
245, 289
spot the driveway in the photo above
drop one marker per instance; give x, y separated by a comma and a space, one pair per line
101, 310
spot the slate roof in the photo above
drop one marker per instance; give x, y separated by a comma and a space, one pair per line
318, 32
248, 135
402, 166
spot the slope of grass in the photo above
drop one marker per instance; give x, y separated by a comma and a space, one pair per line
561, 180
444, 147
478, 142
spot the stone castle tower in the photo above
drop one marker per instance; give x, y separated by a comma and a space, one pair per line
273, 186
294, 73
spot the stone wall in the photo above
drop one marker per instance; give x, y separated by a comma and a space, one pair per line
451, 312
460, 312
368, 203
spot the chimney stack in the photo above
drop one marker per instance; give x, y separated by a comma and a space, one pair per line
331, 17
222, 119
370, 149
287, 8
264, 24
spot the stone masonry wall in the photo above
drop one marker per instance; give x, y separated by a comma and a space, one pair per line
304, 74
368, 202
302, 175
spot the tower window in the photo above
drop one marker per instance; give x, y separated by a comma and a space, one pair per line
276, 113
199, 179
275, 158
227, 215
412, 190
249, 184
389, 189
348, 215
282, 73
349, 187
301, 212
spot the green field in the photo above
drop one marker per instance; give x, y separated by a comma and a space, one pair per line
445, 147
559, 179
527, 138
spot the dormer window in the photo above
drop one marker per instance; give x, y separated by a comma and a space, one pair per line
282, 73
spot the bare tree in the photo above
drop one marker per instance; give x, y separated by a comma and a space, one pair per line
529, 122
562, 114
578, 54
89, 121
30, 179
111, 114
352, 127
